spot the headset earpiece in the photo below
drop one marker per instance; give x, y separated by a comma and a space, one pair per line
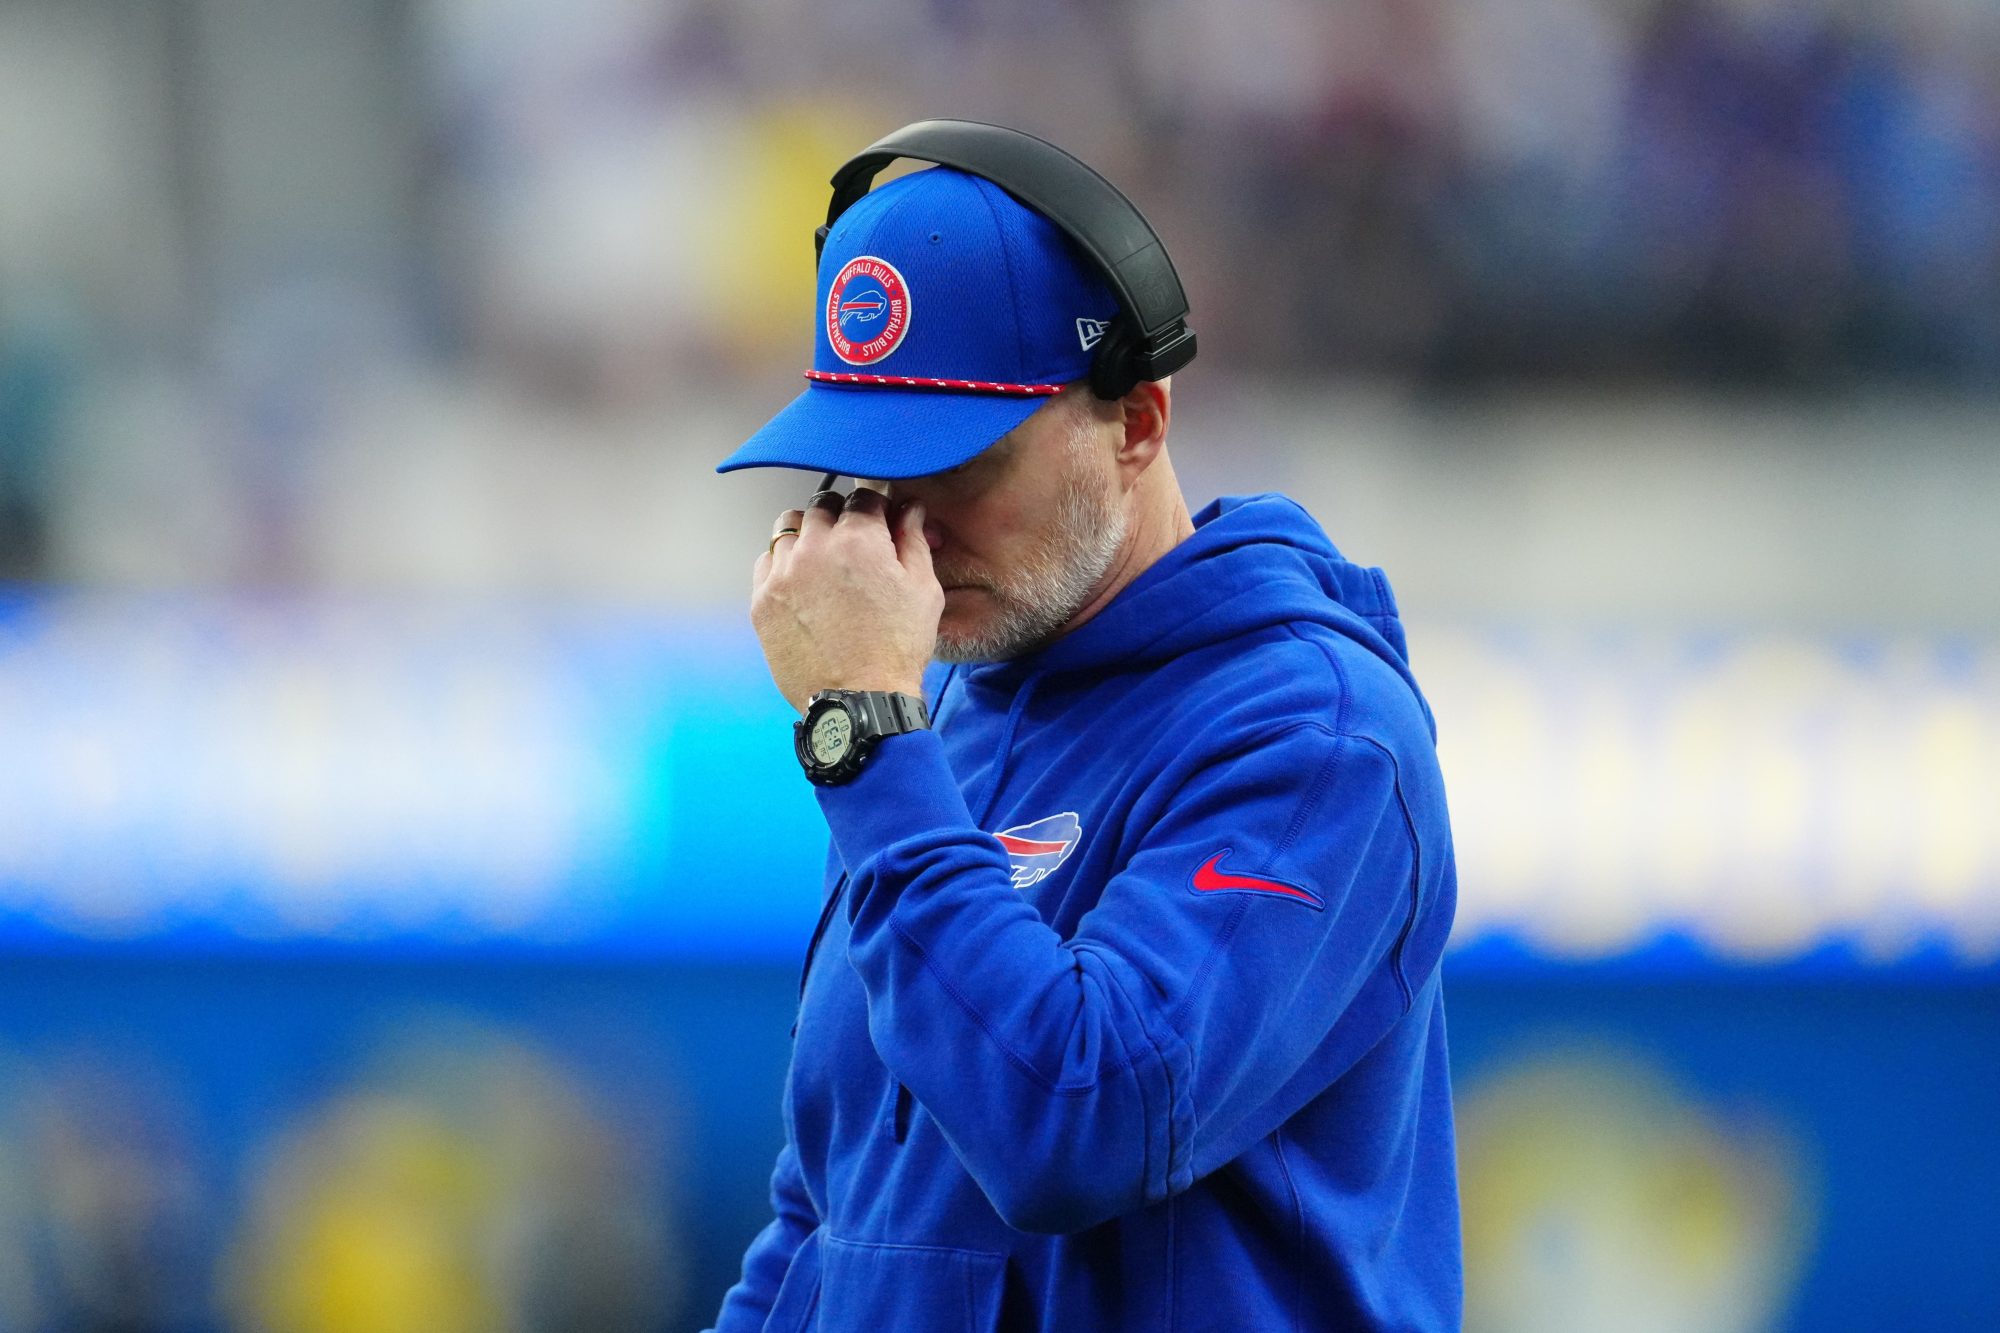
1112, 374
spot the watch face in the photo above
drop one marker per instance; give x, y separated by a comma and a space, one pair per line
832, 732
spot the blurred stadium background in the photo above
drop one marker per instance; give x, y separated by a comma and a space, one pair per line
403, 873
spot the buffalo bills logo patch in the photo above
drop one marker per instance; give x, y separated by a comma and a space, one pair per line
1036, 850
867, 310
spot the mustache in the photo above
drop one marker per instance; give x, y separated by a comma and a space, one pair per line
960, 578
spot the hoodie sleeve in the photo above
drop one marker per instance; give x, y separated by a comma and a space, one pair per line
1248, 952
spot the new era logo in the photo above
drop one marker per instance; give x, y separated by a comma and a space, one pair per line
1090, 331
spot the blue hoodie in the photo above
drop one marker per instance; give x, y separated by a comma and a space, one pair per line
1124, 1009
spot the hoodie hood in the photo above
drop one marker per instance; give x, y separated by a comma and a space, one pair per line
1254, 561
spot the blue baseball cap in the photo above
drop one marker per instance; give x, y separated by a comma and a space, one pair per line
948, 313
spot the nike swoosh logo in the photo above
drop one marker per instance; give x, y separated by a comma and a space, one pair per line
1209, 879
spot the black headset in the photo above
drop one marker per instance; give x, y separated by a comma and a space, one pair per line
1149, 339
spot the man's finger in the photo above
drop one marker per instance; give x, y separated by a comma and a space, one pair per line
784, 535
864, 503
908, 530
821, 511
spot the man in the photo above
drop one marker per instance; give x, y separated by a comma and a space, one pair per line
1124, 1010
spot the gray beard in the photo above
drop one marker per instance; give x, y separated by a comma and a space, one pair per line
1035, 601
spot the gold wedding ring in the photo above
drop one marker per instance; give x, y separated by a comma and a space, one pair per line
772, 549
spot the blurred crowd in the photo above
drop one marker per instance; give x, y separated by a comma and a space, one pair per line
242, 226
1758, 192
1783, 193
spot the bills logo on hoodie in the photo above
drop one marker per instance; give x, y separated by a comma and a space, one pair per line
1036, 850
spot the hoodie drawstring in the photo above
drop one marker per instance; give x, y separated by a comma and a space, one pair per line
982, 809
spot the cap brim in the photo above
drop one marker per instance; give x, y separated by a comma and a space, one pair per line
891, 434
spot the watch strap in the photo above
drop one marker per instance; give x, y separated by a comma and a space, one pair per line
886, 713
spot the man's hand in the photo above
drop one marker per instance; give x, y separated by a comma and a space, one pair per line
850, 603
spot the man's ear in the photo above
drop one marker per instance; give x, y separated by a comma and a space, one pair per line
1144, 413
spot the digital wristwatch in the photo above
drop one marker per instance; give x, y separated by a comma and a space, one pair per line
841, 728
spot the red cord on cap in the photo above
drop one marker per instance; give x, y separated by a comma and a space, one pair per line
917, 382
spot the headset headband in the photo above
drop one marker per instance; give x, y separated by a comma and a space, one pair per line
1154, 340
